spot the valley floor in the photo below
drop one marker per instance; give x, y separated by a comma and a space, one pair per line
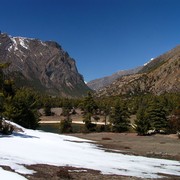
160, 146
155, 146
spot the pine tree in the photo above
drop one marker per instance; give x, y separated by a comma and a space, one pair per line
5, 86
156, 115
89, 104
66, 124
142, 123
119, 118
22, 108
90, 107
66, 107
47, 102
105, 110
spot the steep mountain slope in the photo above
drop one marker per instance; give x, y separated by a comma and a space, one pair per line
160, 75
42, 65
105, 81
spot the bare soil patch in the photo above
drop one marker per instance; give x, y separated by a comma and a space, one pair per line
160, 146
65, 173
50, 172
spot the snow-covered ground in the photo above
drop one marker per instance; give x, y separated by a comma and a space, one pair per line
36, 147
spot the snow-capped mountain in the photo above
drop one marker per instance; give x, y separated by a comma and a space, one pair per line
42, 65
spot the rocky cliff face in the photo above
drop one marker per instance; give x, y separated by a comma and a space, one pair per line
105, 81
160, 75
42, 65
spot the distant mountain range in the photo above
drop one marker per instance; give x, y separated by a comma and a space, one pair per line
105, 81
42, 65
160, 75
46, 67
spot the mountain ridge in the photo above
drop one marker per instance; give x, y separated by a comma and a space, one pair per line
160, 75
107, 80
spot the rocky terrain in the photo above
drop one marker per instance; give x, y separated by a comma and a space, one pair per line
42, 65
158, 76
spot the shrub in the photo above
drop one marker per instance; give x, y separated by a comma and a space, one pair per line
89, 126
66, 125
142, 124
6, 128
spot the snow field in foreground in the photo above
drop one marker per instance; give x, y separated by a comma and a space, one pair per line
6, 175
35, 147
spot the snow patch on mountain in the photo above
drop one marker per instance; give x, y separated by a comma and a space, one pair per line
44, 44
149, 61
34, 55
23, 43
18, 41
14, 45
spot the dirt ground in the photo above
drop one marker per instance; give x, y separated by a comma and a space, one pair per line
161, 146
71, 173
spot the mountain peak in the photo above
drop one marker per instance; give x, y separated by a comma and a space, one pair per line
43, 65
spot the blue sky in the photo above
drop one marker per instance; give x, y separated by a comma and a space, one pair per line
103, 36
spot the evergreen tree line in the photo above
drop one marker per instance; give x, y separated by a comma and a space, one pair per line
153, 113
18, 105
